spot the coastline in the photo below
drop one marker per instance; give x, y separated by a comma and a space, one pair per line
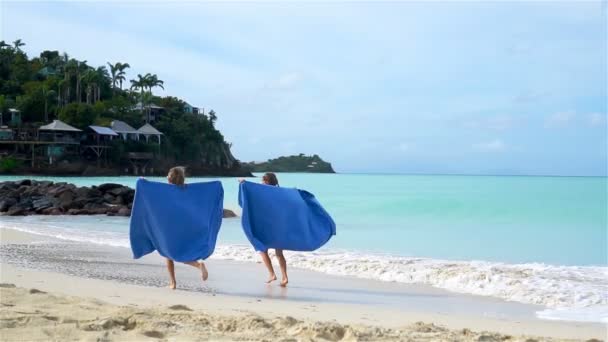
235, 289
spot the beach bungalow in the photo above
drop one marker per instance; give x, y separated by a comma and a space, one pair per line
57, 136
188, 108
151, 112
125, 131
99, 135
59, 132
97, 140
13, 119
6, 133
47, 71
148, 130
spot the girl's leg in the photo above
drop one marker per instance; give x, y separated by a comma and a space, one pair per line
201, 267
171, 269
283, 264
268, 264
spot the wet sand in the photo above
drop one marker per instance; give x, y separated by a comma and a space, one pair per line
111, 277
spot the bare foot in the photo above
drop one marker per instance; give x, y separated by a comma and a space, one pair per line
172, 285
201, 265
284, 282
272, 278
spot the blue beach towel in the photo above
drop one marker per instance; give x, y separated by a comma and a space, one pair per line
283, 218
180, 222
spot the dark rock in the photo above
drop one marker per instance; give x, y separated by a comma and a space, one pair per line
79, 203
118, 200
59, 189
25, 203
65, 199
48, 198
124, 212
22, 189
120, 191
88, 192
51, 211
6, 203
108, 198
98, 211
94, 205
41, 203
228, 213
8, 186
75, 211
45, 184
113, 209
108, 186
16, 211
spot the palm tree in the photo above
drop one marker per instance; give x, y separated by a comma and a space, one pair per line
60, 85
18, 44
114, 74
212, 116
88, 80
102, 77
70, 69
117, 72
153, 81
47, 95
140, 83
121, 72
3, 44
81, 68
147, 99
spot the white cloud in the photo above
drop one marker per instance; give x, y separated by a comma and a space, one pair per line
497, 122
529, 97
560, 119
254, 140
495, 145
285, 82
404, 147
597, 119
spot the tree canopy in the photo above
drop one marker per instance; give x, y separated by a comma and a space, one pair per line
55, 85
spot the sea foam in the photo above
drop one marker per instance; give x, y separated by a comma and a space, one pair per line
575, 293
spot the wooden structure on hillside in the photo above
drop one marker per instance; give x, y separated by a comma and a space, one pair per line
148, 130
98, 140
125, 131
139, 161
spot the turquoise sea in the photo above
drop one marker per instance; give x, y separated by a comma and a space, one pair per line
541, 240
555, 220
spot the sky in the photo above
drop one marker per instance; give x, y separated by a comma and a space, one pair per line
381, 87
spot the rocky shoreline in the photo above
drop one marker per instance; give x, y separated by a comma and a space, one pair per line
31, 197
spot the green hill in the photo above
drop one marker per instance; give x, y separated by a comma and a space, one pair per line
298, 163
54, 85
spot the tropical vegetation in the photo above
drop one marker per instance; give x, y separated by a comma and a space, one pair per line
54, 85
296, 163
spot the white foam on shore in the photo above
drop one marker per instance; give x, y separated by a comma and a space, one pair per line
570, 292
575, 293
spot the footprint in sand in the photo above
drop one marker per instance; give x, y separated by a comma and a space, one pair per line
153, 334
35, 291
180, 307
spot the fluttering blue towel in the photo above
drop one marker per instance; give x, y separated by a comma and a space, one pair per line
180, 222
283, 218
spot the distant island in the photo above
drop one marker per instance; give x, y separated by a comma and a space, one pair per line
61, 116
296, 163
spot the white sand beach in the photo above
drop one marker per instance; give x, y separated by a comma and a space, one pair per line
53, 290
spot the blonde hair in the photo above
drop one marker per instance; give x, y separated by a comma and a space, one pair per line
270, 178
177, 175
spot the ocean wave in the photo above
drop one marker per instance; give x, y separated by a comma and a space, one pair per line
568, 292
556, 287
